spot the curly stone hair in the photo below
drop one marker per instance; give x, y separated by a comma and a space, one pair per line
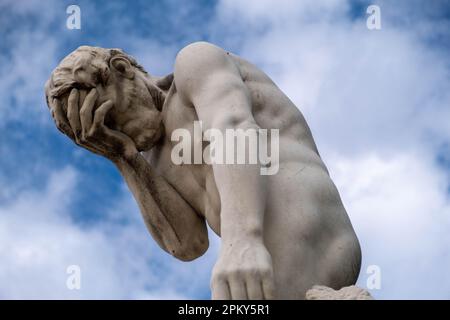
84, 68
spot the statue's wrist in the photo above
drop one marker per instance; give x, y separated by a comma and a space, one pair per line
126, 158
242, 235
130, 154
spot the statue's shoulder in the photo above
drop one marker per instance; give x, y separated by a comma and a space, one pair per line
197, 64
200, 48
200, 56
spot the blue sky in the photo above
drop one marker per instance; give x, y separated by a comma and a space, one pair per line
378, 103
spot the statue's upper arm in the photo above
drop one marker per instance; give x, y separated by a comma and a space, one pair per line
208, 79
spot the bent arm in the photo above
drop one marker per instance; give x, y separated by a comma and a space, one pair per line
172, 222
207, 78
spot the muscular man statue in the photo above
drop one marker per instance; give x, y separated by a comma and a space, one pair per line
281, 234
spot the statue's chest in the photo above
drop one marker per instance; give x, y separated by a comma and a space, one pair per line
184, 134
180, 160
194, 182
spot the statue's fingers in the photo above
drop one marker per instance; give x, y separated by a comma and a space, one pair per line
86, 111
61, 119
85, 144
254, 289
83, 93
220, 290
268, 286
73, 112
100, 113
237, 289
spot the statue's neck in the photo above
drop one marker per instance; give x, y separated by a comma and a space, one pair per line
158, 88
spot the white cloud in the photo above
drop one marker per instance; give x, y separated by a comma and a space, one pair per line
118, 260
24, 66
377, 103
400, 208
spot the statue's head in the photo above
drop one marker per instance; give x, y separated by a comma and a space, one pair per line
119, 78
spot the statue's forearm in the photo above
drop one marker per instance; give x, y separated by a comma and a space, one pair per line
170, 219
242, 213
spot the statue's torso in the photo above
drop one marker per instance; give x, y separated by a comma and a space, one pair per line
304, 216
271, 109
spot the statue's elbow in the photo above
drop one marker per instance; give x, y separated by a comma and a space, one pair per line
190, 250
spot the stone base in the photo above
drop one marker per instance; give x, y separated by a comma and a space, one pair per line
346, 293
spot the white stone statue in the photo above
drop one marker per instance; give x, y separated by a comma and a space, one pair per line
280, 233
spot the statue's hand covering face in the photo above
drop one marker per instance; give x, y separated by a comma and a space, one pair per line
117, 78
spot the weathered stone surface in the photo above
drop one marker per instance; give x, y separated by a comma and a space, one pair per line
346, 293
106, 102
